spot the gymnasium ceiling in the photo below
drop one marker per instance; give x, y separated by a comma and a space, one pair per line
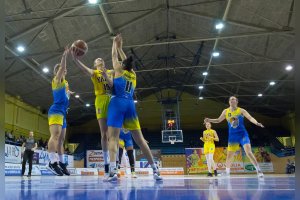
172, 41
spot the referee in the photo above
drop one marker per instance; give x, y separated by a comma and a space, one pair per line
30, 145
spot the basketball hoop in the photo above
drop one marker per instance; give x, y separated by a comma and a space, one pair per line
172, 141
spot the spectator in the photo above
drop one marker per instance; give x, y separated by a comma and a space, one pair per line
290, 167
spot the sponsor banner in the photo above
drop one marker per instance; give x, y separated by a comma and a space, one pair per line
72, 170
45, 171
70, 160
43, 157
265, 167
143, 171
94, 159
12, 154
13, 169
145, 164
196, 161
86, 171
262, 155
141, 157
172, 171
35, 159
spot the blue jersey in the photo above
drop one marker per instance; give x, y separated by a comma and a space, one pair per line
125, 136
235, 121
60, 94
124, 85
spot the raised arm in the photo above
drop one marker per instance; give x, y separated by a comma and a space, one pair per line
250, 118
114, 56
63, 66
120, 48
218, 120
82, 66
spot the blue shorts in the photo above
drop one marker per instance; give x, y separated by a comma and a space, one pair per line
57, 116
236, 139
126, 137
121, 112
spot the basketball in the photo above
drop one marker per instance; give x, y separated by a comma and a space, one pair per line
79, 47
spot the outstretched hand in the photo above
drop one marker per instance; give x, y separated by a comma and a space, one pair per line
260, 124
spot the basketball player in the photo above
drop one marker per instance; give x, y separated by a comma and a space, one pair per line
121, 109
102, 81
209, 138
57, 117
127, 143
237, 132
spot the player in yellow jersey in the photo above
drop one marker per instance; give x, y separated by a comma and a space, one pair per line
209, 138
102, 81
238, 134
194, 159
57, 117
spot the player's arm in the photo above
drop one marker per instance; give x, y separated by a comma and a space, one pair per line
82, 66
114, 56
35, 147
250, 118
217, 120
120, 49
23, 145
63, 66
216, 137
109, 76
202, 138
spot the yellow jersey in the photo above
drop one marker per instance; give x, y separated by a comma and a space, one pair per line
207, 134
101, 86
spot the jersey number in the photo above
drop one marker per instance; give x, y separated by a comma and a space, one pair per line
106, 87
128, 86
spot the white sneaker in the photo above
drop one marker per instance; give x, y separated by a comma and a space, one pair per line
260, 174
133, 175
112, 177
105, 177
156, 176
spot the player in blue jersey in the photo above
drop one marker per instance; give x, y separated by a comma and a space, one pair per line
57, 117
121, 109
127, 143
238, 134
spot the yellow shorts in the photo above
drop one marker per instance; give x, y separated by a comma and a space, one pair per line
209, 148
101, 106
233, 147
57, 119
121, 143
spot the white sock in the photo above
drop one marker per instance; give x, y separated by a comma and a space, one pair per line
208, 163
106, 157
212, 162
52, 157
257, 168
113, 167
227, 170
154, 167
61, 158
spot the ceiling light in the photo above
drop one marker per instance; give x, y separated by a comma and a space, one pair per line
260, 95
135, 101
93, 1
200, 98
289, 68
216, 54
87, 105
21, 48
201, 87
77, 96
219, 26
45, 70
205, 73
272, 83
